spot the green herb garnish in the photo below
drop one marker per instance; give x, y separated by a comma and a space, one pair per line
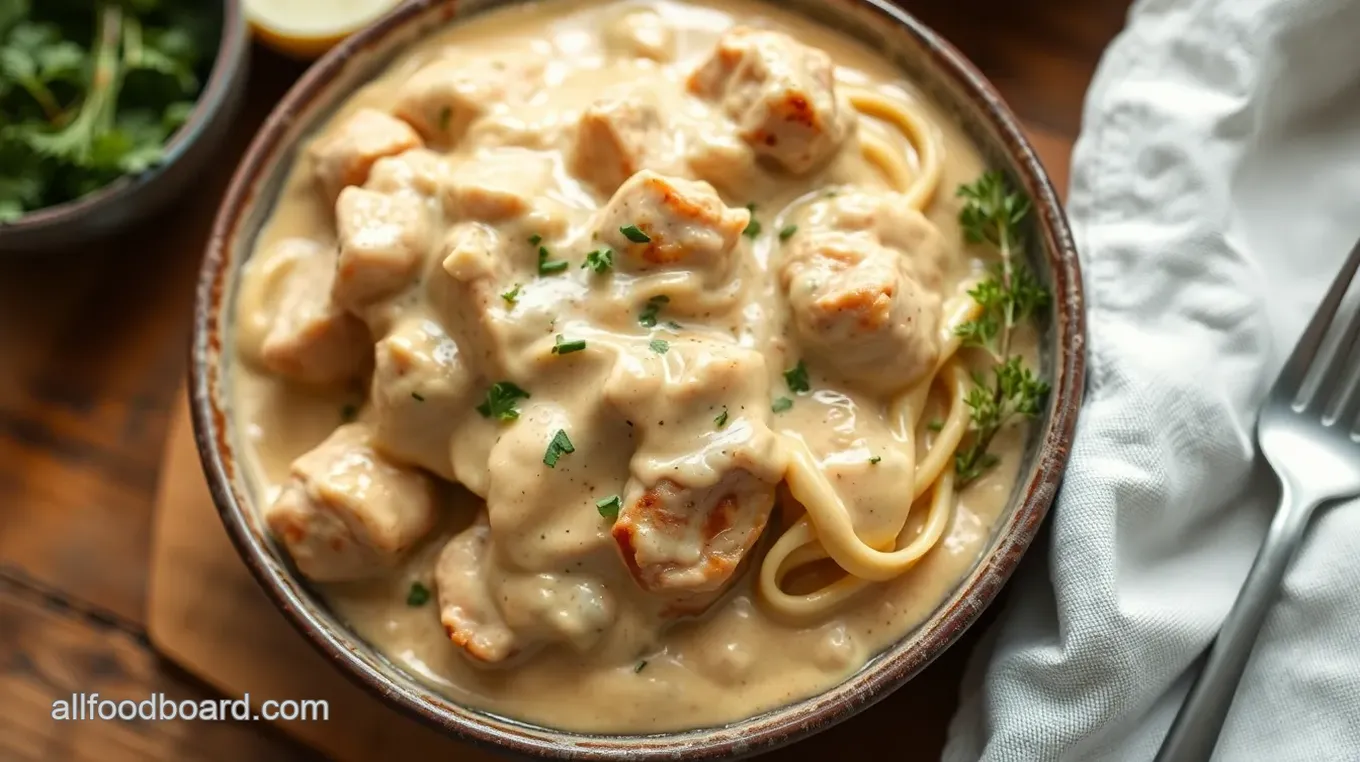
781, 404
92, 91
511, 295
635, 234
992, 214
753, 227
648, 315
559, 446
936, 425
546, 267
600, 260
875, 460
797, 378
567, 347
721, 420
500, 401
535, 239
609, 507
640, 666
788, 232
419, 595
660, 346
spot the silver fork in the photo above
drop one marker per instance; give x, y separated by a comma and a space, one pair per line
1306, 430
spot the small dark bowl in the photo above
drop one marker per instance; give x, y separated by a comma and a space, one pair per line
943, 74
133, 198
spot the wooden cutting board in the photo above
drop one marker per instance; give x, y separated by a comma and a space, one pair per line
207, 613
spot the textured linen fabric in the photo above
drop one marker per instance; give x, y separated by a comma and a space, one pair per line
1215, 193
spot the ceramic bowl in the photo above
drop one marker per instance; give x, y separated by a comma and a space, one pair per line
133, 198
938, 70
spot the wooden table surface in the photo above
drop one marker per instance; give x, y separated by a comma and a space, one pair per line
92, 352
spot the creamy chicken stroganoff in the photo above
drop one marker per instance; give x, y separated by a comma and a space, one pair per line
600, 363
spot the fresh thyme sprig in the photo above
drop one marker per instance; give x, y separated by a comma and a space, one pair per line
992, 213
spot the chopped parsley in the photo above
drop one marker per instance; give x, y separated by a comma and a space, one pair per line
600, 260
546, 267
935, 425
445, 116
512, 295
874, 460
535, 239
567, 347
660, 346
753, 227
609, 507
417, 396
721, 420
787, 232
781, 404
640, 666
635, 234
500, 401
797, 378
648, 315
559, 446
418, 596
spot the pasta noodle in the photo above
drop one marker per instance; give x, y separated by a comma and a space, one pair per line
826, 531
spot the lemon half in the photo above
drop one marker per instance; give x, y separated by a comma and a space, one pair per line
308, 28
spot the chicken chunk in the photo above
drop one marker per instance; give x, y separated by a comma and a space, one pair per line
493, 614
384, 239
616, 137
446, 96
656, 222
704, 475
498, 185
466, 606
287, 322
345, 154
419, 171
347, 512
780, 92
421, 390
639, 33
889, 219
856, 307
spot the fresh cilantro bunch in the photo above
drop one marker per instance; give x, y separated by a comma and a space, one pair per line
993, 214
91, 91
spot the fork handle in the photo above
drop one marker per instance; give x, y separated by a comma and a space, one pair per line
1195, 730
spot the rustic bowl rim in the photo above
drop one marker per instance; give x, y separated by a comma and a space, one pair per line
976, 590
233, 46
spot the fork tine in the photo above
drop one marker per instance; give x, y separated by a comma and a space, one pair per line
1296, 368
1334, 367
1349, 404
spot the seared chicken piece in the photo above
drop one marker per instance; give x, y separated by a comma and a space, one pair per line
466, 607
444, 97
657, 222
704, 475
616, 137
493, 613
384, 238
887, 218
345, 154
288, 323
421, 390
856, 308
349, 513
780, 92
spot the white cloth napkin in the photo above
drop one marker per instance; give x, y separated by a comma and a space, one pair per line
1215, 193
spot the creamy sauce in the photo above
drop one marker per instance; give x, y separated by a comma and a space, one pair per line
578, 639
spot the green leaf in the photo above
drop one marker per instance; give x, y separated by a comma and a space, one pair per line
797, 378
11, 13
609, 507
500, 401
559, 446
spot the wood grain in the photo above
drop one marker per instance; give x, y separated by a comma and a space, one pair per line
92, 348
